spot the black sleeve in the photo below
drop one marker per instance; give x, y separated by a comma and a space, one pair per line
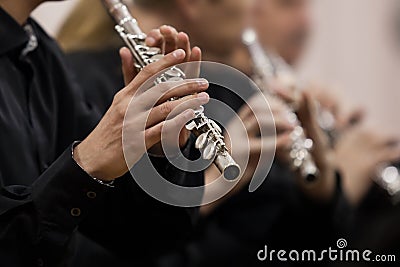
36, 222
128, 215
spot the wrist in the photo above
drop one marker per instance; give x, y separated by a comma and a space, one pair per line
84, 159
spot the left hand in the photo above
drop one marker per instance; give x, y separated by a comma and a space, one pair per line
168, 39
322, 153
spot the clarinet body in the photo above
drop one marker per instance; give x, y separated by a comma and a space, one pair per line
210, 140
266, 70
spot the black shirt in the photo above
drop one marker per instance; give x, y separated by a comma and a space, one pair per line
49, 207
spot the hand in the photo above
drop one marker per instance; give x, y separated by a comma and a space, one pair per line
330, 102
324, 187
265, 132
327, 102
359, 152
322, 154
101, 154
167, 39
260, 127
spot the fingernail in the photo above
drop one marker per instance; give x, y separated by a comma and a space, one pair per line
151, 41
180, 53
203, 83
203, 97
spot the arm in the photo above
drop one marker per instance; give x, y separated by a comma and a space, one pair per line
36, 222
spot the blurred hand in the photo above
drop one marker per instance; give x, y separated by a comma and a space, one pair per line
322, 154
329, 102
329, 106
359, 152
324, 187
260, 129
101, 154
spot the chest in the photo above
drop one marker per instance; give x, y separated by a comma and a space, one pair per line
28, 118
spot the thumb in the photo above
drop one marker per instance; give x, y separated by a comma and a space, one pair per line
307, 116
128, 65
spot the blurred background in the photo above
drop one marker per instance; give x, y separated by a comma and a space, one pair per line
355, 48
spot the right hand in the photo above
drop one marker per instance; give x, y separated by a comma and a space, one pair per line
359, 152
101, 154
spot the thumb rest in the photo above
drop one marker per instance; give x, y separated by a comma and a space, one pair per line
300, 150
210, 140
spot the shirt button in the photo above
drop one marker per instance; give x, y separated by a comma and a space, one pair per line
75, 212
40, 262
91, 194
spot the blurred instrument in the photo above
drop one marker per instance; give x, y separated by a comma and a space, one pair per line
389, 179
272, 66
265, 71
210, 140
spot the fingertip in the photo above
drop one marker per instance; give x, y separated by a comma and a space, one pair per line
150, 41
124, 52
196, 54
179, 54
183, 36
166, 29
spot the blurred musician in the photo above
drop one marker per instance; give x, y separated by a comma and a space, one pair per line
282, 27
58, 195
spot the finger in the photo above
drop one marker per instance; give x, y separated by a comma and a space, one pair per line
306, 116
165, 91
283, 145
283, 93
184, 43
155, 39
354, 118
283, 141
265, 125
282, 125
265, 145
153, 134
245, 112
128, 66
196, 54
173, 108
252, 126
389, 155
193, 70
279, 107
311, 127
170, 38
149, 71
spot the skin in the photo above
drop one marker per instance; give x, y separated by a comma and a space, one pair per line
283, 26
106, 138
209, 23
